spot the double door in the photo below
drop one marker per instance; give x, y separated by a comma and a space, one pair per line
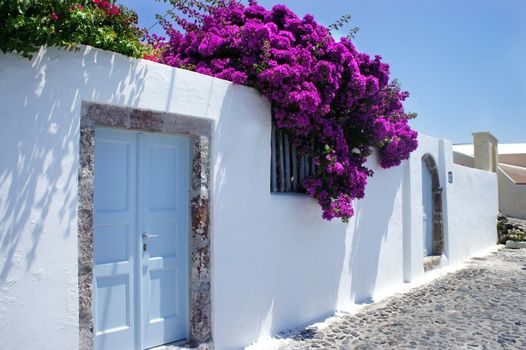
141, 225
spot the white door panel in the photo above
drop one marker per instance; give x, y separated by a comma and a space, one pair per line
114, 241
164, 211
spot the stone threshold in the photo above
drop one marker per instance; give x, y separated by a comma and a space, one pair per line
183, 345
431, 262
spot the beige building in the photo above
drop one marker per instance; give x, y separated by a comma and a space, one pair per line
508, 160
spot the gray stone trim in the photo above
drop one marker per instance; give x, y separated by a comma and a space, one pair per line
438, 226
97, 114
200, 317
85, 237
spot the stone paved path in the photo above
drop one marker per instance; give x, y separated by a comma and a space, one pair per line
482, 306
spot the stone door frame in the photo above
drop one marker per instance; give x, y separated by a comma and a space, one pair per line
199, 129
437, 223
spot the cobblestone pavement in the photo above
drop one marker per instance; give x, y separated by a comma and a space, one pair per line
482, 306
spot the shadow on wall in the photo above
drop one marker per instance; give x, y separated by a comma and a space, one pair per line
40, 138
289, 267
244, 253
373, 215
442, 170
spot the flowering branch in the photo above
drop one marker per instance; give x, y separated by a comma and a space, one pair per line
334, 102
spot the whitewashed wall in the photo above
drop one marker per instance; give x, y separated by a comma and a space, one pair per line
442, 154
275, 262
39, 146
473, 206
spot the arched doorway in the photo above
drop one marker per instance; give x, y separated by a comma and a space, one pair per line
432, 208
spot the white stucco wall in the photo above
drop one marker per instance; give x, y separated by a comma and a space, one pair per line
275, 262
441, 152
473, 208
469, 203
512, 163
39, 145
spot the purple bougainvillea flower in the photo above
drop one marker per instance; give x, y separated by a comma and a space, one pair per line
333, 101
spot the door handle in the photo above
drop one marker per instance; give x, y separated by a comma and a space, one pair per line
149, 235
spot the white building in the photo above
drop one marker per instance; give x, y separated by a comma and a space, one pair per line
135, 210
507, 160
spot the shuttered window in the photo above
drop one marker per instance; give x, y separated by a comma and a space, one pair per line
287, 168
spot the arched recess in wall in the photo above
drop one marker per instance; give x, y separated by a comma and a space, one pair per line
432, 191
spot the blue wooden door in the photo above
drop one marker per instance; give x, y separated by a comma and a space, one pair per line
141, 228
163, 224
115, 248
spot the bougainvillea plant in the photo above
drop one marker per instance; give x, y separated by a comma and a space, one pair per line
25, 25
334, 102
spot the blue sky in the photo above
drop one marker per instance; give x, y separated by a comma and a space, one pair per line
463, 61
